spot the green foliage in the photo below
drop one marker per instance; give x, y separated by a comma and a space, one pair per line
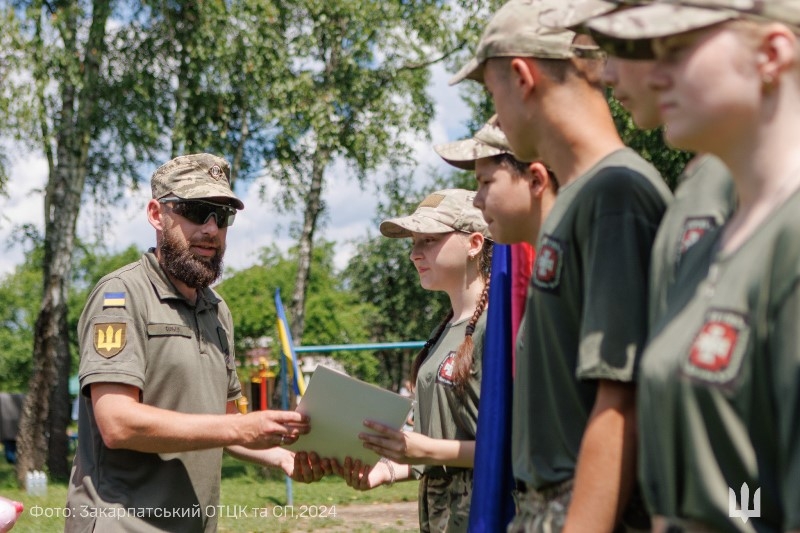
20, 293
20, 296
382, 274
334, 315
650, 144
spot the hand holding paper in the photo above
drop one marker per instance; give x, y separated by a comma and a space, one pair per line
338, 405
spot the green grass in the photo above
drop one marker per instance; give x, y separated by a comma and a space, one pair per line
242, 485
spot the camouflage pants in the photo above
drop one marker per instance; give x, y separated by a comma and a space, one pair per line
542, 512
444, 500
546, 511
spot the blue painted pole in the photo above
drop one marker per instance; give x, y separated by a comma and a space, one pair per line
359, 347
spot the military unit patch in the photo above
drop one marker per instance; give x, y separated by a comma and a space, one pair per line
548, 265
110, 338
693, 230
113, 299
446, 373
215, 172
718, 349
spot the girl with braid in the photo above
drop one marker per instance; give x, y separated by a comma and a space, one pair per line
451, 251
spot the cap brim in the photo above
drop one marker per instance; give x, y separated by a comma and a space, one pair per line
399, 228
574, 15
658, 20
472, 70
463, 154
210, 193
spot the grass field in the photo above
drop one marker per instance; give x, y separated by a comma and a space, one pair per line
245, 487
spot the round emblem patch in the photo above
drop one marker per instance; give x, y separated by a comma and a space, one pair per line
215, 172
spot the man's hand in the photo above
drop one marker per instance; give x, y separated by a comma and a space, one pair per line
265, 429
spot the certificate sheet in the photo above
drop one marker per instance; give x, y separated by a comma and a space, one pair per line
338, 405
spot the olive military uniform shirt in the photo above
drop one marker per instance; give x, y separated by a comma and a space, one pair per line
719, 391
137, 329
703, 201
586, 312
439, 412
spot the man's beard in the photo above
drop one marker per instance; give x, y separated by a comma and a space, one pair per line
179, 261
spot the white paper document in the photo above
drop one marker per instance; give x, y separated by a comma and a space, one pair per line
338, 405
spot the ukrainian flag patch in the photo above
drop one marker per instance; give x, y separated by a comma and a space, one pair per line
114, 299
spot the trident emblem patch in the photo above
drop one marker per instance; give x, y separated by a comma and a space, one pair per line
109, 339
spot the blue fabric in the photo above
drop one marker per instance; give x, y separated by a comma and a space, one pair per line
492, 506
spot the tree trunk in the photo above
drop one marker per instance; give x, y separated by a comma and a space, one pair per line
313, 207
45, 413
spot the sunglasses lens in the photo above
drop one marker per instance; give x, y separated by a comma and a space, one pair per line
637, 49
200, 212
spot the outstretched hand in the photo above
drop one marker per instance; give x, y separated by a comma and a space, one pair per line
362, 476
402, 447
309, 468
265, 429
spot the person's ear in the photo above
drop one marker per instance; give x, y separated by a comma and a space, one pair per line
524, 73
154, 215
776, 53
475, 247
538, 178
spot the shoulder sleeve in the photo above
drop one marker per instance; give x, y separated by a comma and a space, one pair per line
616, 259
110, 336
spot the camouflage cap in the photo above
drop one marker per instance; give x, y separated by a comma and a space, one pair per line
572, 14
671, 17
515, 31
195, 177
488, 141
440, 212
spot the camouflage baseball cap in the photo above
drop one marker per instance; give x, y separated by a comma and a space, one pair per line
440, 212
671, 17
515, 31
195, 177
488, 141
572, 14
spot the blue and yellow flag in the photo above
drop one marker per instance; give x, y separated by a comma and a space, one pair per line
113, 299
287, 346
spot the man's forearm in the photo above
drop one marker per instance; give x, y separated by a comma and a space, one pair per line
126, 423
606, 469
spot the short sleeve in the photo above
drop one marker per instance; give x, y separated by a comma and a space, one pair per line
615, 277
110, 338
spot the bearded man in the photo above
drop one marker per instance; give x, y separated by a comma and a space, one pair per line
158, 375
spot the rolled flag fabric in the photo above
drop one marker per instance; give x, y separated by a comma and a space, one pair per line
492, 506
287, 346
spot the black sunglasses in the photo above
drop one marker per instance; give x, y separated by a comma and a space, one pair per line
198, 211
634, 49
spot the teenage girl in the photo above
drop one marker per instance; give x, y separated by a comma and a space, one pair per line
452, 252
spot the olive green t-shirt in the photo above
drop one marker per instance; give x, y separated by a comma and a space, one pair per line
703, 201
440, 412
586, 312
719, 390
137, 329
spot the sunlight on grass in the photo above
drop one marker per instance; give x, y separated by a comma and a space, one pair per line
252, 500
